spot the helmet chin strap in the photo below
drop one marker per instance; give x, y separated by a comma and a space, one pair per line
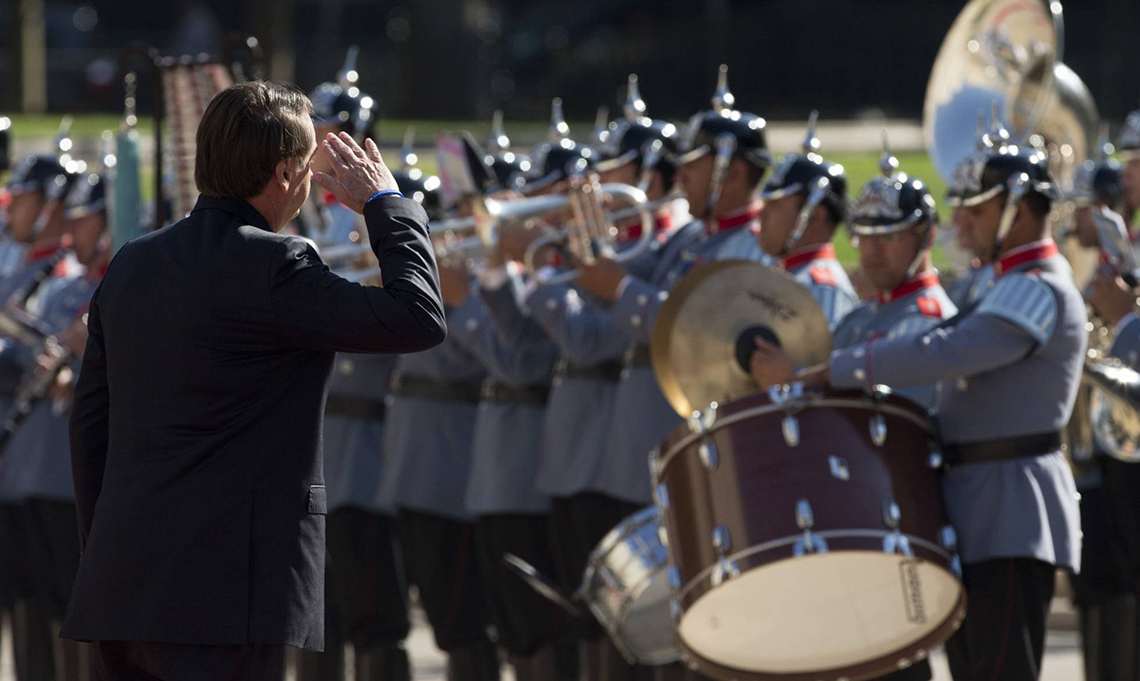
650, 156
927, 243
815, 197
1017, 187
725, 147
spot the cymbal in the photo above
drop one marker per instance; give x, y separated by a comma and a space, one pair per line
705, 330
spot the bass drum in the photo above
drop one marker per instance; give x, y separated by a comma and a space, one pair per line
807, 537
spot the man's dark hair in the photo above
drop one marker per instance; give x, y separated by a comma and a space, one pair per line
246, 131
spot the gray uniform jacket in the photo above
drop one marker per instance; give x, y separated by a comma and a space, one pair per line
37, 461
913, 308
428, 442
816, 268
970, 285
642, 416
505, 453
1126, 343
1008, 367
581, 407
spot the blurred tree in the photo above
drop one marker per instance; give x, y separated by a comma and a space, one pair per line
33, 57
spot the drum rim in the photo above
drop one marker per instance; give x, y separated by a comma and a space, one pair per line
868, 669
627, 652
702, 581
647, 515
791, 407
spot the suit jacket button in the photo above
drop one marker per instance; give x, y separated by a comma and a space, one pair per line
635, 320
472, 324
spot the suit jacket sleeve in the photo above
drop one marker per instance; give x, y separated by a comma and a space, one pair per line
89, 424
316, 309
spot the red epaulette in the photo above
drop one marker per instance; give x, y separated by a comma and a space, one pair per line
929, 307
820, 274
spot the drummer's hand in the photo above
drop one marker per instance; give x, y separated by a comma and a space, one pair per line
454, 284
771, 365
602, 278
816, 376
1110, 296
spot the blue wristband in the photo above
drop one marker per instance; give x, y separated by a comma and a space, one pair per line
383, 192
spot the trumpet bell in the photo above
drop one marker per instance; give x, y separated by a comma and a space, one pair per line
1113, 409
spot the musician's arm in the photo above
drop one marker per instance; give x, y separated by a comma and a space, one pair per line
89, 424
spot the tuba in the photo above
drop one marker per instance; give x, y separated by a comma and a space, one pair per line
1007, 54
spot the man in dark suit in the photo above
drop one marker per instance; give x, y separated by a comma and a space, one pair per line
196, 429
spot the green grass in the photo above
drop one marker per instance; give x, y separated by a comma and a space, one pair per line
860, 167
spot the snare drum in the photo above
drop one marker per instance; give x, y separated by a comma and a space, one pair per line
807, 537
626, 588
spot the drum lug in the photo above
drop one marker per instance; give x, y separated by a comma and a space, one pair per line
809, 542
663, 536
878, 430
661, 496
709, 455
949, 540
654, 464
896, 541
721, 540
934, 460
676, 610
838, 467
791, 428
725, 570
673, 576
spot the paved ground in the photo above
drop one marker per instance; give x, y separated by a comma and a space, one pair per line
1062, 661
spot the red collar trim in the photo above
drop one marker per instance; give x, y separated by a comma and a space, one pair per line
1034, 252
734, 220
329, 198
46, 249
921, 282
803, 257
632, 231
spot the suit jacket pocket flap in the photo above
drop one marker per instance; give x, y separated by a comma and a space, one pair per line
318, 500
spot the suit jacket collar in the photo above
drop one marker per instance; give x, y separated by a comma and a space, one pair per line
238, 207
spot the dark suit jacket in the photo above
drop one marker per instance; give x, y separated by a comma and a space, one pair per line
196, 428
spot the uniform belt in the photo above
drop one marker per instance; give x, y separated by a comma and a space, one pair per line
415, 386
639, 357
501, 393
606, 371
1002, 449
355, 407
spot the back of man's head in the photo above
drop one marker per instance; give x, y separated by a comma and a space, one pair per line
246, 131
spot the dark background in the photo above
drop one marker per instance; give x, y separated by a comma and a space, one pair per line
460, 59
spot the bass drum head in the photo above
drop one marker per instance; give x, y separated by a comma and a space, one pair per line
861, 611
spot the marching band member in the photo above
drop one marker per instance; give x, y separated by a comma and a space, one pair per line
512, 513
804, 201
37, 467
590, 495
724, 158
1008, 490
365, 588
35, 219
1128, 147
893, 221
1106, 589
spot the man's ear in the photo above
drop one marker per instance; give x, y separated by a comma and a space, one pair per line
283, 174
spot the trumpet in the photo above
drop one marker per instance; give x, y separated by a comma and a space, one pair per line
592, 229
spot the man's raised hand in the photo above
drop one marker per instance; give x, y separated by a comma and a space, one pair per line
357, 173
